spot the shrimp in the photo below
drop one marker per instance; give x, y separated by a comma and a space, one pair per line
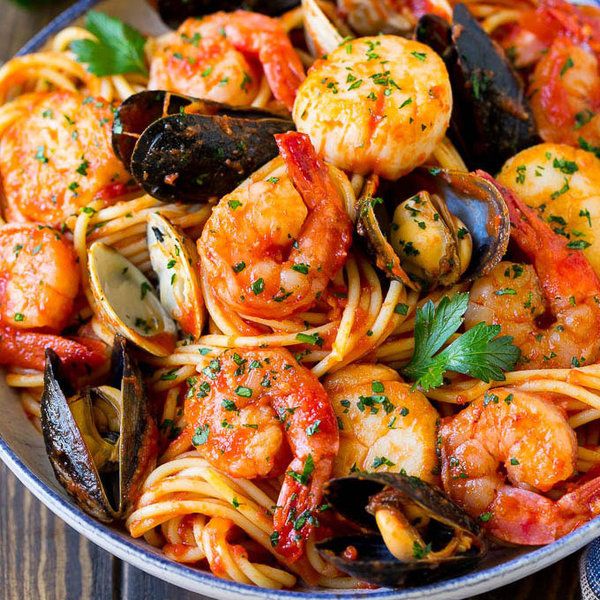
58, 158
369, 17
248, 409
384, 424
271, 247
525, 439
376, 105
551, 308
39, 277
565, 94
562, 183
215, 58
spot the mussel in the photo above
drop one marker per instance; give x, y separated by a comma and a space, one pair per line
491, 118
409, 532
101, 441
175, 260
174, 12
127, 301
183, 149
434, 227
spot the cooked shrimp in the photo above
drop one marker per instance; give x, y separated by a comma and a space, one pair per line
563, 184
58, 158
39, 277
370, 17
565, 94
551, 308
376, 105
215, 58
384, 425
247, 410
512, 438
271, 247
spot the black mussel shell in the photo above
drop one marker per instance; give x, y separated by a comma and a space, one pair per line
174, 12
372, 561
106, 496
491, 117
180, 148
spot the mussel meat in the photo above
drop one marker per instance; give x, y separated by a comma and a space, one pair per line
409, 532
175, 260
183, 149
101, 441
174, 12
127, 301
491, 117
434, 227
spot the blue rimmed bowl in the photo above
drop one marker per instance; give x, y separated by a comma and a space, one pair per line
22, 449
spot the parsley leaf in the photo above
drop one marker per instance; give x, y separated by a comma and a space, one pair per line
478, 352
118, 49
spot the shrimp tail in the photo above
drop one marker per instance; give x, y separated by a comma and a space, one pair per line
295, 516
311, 178
563, 273
26, 349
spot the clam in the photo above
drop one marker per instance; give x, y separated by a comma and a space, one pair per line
174, 12
323, 30
175, 261
183, 149
101, 442
127, 301
434, 227
409, 533
491, 117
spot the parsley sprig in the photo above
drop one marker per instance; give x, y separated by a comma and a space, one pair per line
118, 48
479, 352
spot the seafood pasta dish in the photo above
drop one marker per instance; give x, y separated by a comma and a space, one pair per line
307, 294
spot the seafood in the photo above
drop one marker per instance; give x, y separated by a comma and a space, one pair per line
452, 225
370, 17
491, 117
127, 301
87, 453
247, 410
58, 158
410, 532
183, 149
368, 92
384, 425
34, 292
268, 262
518, 297
565, 94
216, 58
500, 453
174, 260
561, 183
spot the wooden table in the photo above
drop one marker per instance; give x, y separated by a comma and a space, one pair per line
41, 558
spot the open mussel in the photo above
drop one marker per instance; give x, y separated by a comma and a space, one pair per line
183, 149
101, 441
491, 117
434, 227
128, 302
174, 12
409, 533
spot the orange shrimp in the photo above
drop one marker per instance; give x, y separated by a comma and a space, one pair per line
39, 277
509, 434
271, 246
59, 158
215, 58
244, 414
560, 281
